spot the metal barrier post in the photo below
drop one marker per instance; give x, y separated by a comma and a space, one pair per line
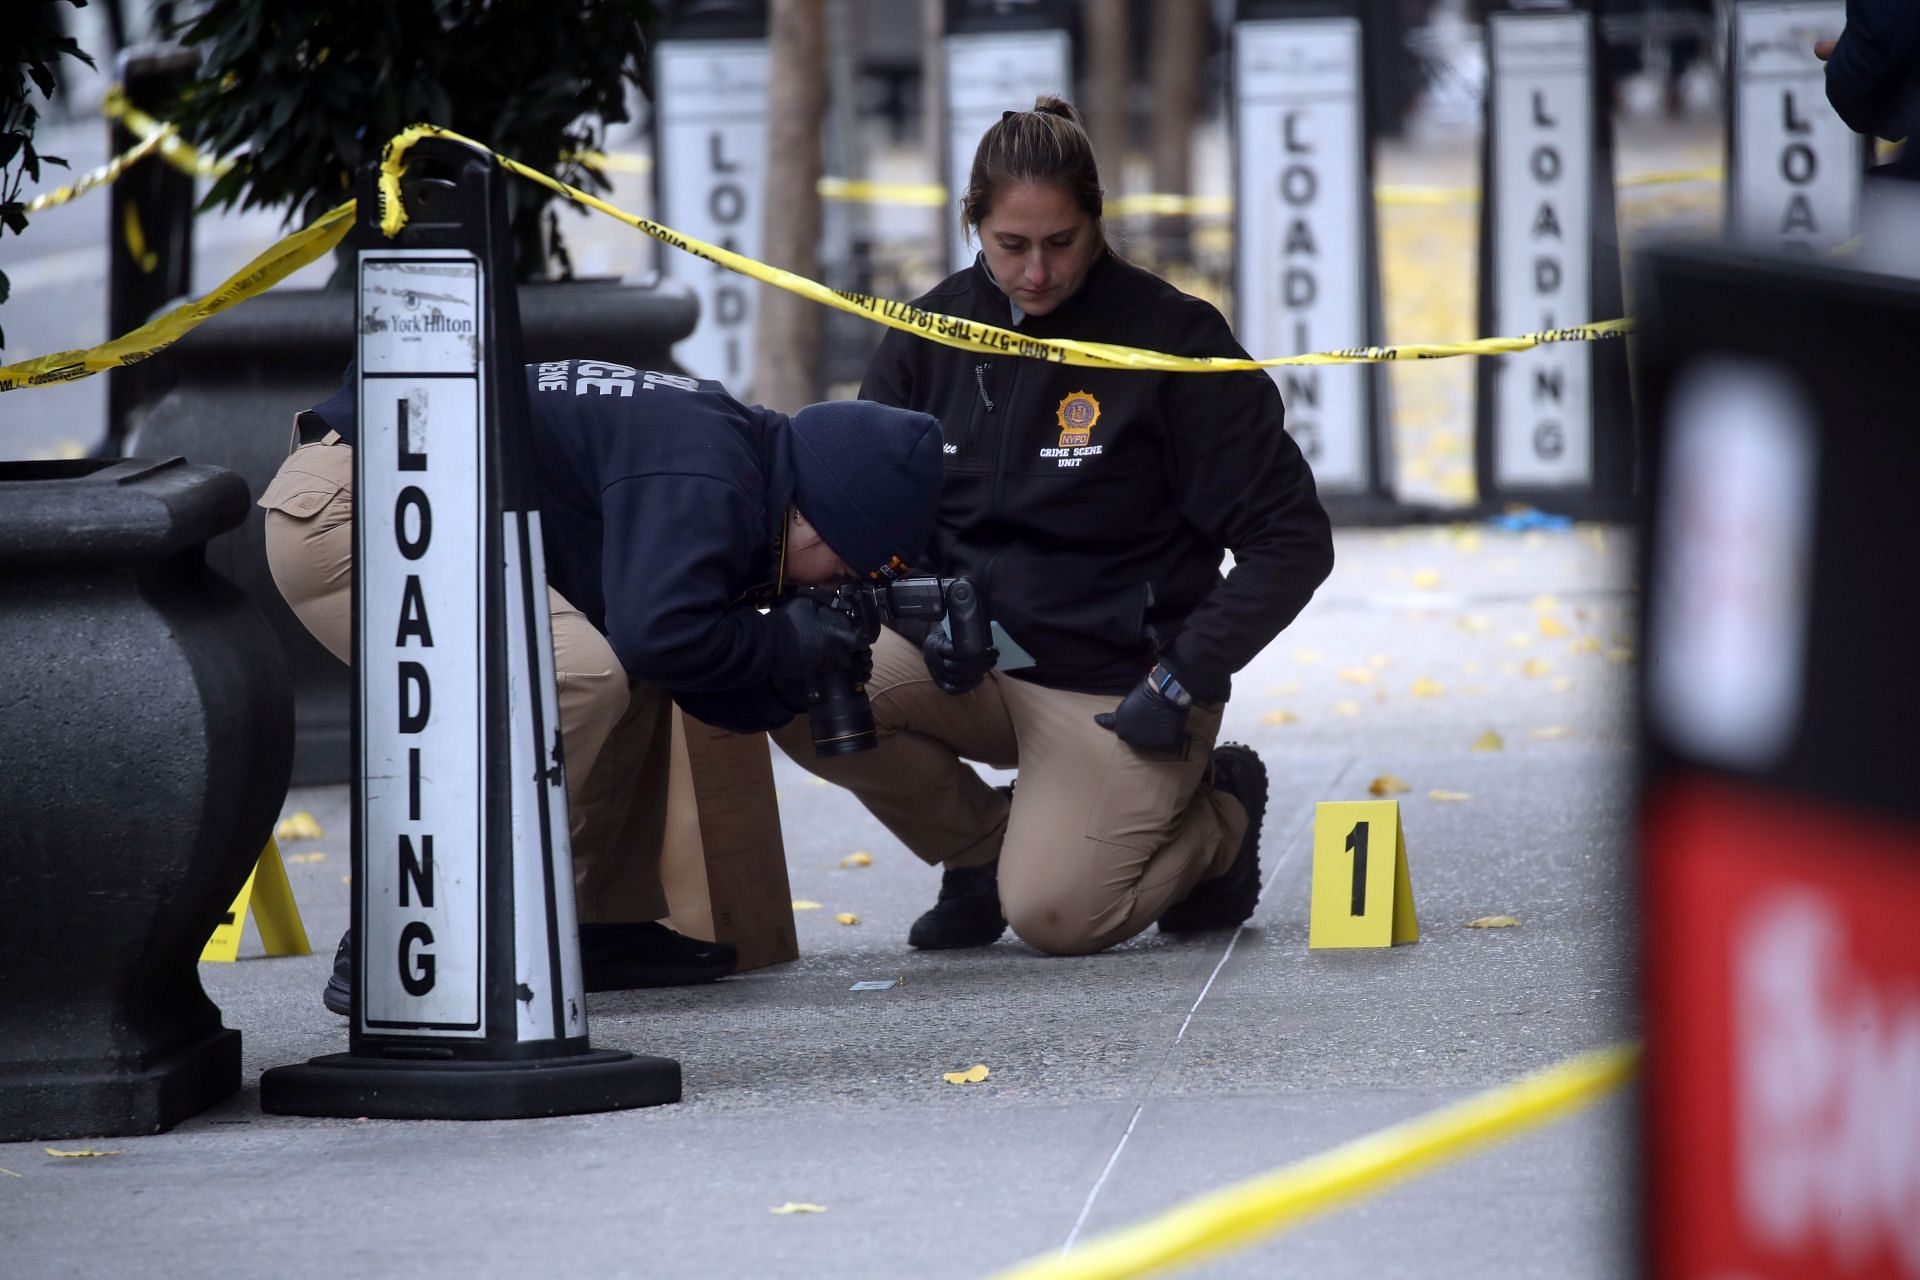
1794, 168
710, 170
1306, 253
1554, 425
149, 231
467, 993
998, 56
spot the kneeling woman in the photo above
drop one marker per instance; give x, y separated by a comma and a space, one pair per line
1094, 509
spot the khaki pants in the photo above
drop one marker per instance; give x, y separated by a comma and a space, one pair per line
615, 735
1099, 838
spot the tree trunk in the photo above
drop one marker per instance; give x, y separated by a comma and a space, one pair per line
1179, 44
1109, 73
787, 333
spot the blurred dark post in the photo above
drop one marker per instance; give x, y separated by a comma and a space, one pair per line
1109, 81
999, 55
787, 339
149, 232
1779, 822
1554, 425
1306, 260
1179, 44
1794, 169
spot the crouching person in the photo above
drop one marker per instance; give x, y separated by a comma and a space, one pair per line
672, 514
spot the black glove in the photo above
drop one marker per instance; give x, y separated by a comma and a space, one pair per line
955, 672
819, 638
1149, 720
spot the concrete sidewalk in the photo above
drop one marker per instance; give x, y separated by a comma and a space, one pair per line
1122, 1083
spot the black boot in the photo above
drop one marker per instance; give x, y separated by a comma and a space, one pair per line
967, 913
1229, 898
338, 995
622, 957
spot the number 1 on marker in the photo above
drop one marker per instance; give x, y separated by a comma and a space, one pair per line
1357, 846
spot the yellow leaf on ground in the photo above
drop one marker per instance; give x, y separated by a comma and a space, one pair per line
1379, 662
1438, 794
1286, 690
1426, 579
1619, 655
1519, 639
796, 1207
1387, 785
306, 857
1562, 684
1425, 688
1551, 626
298, 826
972, 1075
1550, 731
818, 782
1489, 741
805, 904
858, 858
1475, 623
1536, 667
1308, 656
1494, 922
1279, 717
1586, 644
847, 917
1542, 604
77, 1153
1346, 708
1356, 675
1470, 668
11, 1174
1466, 541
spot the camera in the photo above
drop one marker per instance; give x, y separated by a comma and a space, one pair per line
838, 711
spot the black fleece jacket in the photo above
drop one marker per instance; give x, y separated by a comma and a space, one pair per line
1093, 507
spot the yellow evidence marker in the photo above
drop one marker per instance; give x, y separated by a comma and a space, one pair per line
274, 912
1362, 894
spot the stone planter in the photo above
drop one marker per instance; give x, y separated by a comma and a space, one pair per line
244, 374
146, 733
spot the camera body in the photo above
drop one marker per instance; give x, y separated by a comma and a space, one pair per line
838, 711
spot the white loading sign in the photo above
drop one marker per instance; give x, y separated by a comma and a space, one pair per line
1796, 175
421, 592
713, 163
1542, 245
1301, 271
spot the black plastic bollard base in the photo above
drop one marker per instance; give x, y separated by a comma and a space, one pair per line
343, 1085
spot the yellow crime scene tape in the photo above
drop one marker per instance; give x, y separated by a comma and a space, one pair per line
1246, 1212
264, 272
303, 247
953, 331
176, 151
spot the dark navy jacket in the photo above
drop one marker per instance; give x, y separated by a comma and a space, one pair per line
663, 505
1873, 77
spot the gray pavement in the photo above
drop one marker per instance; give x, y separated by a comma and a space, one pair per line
1122, 1083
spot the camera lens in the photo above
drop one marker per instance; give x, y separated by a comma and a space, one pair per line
840, 716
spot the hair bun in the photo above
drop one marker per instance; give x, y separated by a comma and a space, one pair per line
1046, 104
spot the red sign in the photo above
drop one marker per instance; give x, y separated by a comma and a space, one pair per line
1783, 1037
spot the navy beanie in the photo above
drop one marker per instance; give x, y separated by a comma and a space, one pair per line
867, 476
